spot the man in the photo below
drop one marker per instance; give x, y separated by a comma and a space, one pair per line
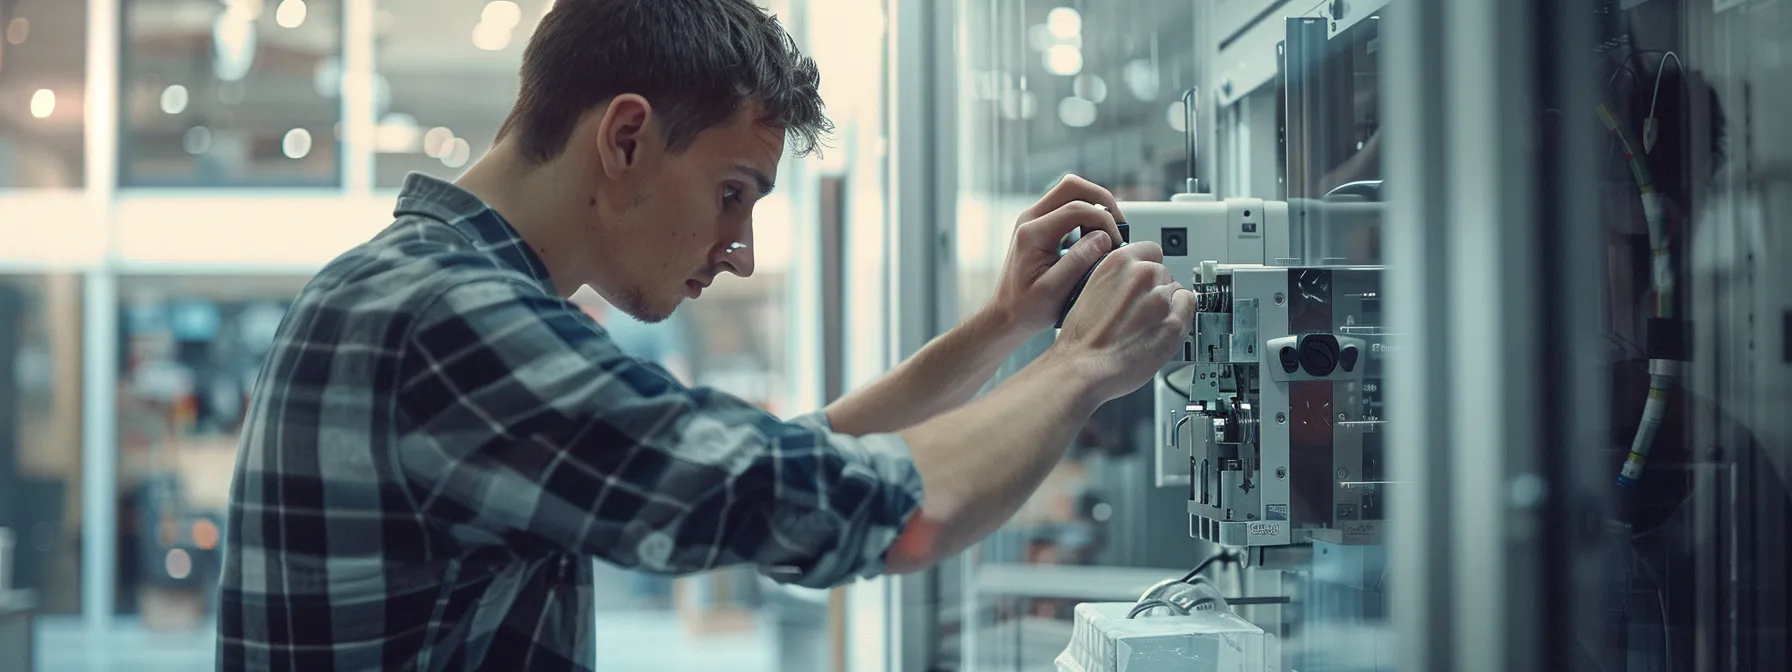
439, 439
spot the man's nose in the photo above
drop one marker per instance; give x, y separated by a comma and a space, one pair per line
737, 256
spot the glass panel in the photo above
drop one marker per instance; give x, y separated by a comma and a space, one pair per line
236, 93
40, 437
1271, 492
1695, 178
429, 54
189, 352
43, 85
1045, 89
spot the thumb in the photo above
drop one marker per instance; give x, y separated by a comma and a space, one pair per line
1075, 262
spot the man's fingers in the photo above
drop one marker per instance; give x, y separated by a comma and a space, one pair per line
1182, 306
1070, 189
1045, 231
1067, 269
1144, 250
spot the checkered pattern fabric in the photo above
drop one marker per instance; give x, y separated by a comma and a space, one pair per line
438, 444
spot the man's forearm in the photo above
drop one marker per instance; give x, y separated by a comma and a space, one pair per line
980, 463
945, 374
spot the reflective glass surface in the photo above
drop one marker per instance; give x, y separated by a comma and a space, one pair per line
43, 77
451, 71
1281, 513
235, 93
40, 437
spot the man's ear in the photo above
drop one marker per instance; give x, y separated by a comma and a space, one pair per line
622, 132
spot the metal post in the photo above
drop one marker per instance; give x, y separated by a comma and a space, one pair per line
99, 446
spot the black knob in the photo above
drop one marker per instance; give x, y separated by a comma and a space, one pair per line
1290, 361
1347, 358
1319, 355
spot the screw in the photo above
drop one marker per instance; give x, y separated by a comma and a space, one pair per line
1281, 418
1281, 472
1280, 299
1343, 473
1341, 417
1250, 516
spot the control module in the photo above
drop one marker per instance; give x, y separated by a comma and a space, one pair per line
1283, 412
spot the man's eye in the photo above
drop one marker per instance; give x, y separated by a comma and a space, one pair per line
730, 196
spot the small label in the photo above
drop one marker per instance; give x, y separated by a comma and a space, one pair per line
1358, 530
1250, 227
1347, 512
1266, 529
1276, 512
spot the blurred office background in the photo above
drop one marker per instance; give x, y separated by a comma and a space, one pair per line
171, 173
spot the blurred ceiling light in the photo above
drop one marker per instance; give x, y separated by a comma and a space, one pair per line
503, 13
458, 153
178, 564
296, 144
1141, 79
435, 142
1076, 112
43, 103
397, 134
1040, 38
198, 140
290, 13
246, 10
18, 30
1064, 60
1090, 87
1065, 23
491, 36
1177, 118
174, 99
234, 39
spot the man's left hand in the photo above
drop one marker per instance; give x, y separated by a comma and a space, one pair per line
1035, 281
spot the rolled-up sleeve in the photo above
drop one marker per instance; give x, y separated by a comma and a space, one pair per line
525, 426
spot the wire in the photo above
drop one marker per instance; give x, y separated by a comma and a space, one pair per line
1154, 603
1222, 556
1165, 377
1667, 643
1650, 125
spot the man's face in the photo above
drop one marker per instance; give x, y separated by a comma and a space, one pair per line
687, 217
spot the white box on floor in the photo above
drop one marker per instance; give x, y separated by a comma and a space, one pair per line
1105, 640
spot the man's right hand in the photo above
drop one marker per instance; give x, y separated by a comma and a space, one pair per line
1129, 320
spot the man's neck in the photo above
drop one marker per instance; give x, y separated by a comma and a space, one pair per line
535, 201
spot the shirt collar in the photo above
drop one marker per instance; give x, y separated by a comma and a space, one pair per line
487, 230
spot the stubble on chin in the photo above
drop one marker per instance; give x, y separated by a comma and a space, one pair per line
636, 304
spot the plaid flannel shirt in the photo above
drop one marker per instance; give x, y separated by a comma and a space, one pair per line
438, 443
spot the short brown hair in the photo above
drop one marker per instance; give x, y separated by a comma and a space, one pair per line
695, 61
